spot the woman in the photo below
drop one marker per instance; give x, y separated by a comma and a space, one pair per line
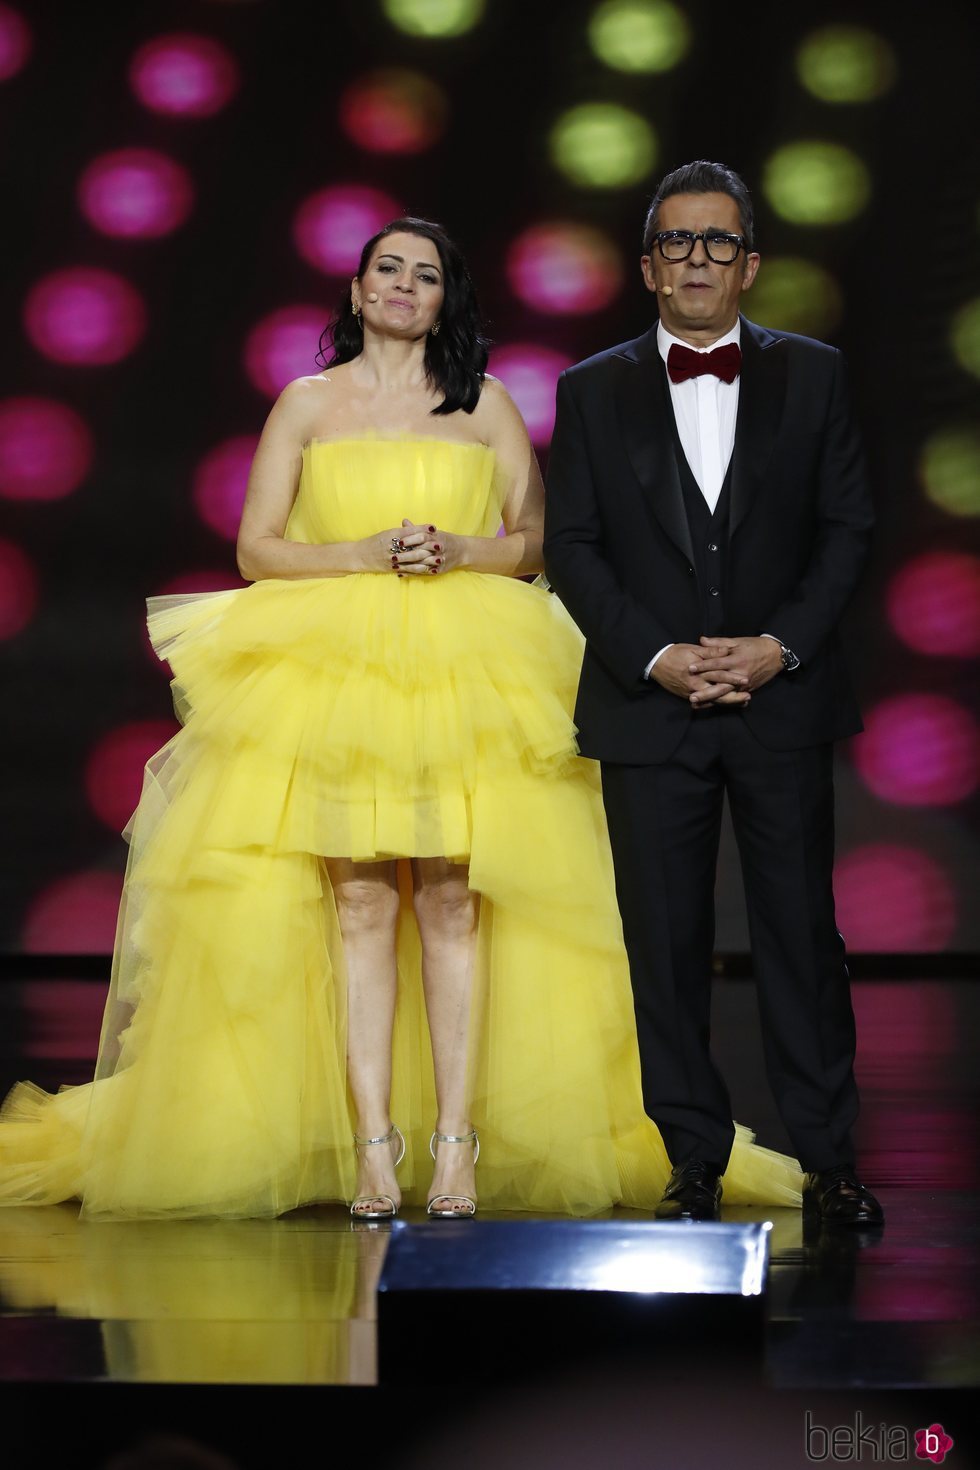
370, 880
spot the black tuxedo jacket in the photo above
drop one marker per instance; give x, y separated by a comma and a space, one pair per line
618, 546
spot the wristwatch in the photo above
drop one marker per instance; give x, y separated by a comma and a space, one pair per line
790, 661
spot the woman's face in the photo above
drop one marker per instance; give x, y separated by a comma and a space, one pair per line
401, 292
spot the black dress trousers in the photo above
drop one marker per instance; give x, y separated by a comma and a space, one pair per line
664, 823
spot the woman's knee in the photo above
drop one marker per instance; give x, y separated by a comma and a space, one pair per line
446, 906
366, 905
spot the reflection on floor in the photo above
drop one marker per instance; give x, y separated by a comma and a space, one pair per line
244, 1301
293, 1301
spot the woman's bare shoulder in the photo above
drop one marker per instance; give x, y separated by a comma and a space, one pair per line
496, 413
303, 401
315, 385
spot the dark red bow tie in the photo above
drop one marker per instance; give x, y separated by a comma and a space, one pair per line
724, 362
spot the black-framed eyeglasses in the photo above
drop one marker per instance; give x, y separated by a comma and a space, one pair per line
721, 248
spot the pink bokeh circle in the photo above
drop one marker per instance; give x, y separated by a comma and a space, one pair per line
892, 898
283, 346
15, 42
919, 750
18, 589
219, 487
114, 769
564, 269
84, 316
46, 449
184, 75
135, 194
74, 915
933, 604
393, 111
332, 226
530, 375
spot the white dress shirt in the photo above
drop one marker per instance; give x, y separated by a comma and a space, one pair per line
705, 411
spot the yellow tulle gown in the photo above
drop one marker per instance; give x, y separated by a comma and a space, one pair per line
363, 716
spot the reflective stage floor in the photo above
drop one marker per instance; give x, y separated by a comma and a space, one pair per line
204, 1326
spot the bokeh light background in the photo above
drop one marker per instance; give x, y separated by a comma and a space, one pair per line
193, 182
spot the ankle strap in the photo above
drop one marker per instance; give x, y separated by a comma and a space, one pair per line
470, 1137
382, 1138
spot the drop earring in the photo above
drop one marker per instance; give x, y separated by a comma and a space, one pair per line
434, 329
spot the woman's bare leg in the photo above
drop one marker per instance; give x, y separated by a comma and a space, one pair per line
447, 914
367, 908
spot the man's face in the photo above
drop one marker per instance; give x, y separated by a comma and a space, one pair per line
704, 300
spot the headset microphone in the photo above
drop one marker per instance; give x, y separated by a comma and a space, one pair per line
664, 291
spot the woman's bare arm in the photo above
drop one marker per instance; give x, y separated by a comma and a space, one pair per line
272, 485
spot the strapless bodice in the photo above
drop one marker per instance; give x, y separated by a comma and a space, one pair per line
350, 488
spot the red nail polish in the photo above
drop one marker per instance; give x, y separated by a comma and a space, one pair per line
437, 547
432, 528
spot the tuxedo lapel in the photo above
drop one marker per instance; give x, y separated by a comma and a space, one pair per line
761, 399
643, 407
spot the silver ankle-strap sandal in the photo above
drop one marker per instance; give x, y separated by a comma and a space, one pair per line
453, 1206
391, 1209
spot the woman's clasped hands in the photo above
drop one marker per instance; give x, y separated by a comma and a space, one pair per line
414, 550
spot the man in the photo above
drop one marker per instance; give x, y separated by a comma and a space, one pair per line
707, 521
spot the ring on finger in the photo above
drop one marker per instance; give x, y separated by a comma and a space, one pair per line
396, 545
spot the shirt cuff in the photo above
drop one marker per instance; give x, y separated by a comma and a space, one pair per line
646, 671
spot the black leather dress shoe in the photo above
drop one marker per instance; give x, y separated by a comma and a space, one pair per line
839, 1198
693, 1193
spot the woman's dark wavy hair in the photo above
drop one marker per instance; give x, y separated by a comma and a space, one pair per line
456, 358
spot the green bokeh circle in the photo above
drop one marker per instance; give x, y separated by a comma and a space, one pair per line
965, 337
950, 469
639, 35
434, 18
816, 183
796, 295
600, 145
845, 63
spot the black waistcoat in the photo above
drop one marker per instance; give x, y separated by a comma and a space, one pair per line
709, 535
